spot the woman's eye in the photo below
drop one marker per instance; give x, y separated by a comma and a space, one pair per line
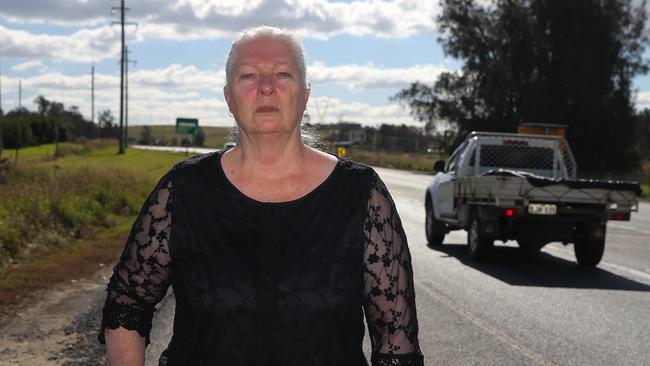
284, 74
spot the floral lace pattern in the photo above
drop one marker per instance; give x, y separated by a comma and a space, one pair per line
141, 277
388, 284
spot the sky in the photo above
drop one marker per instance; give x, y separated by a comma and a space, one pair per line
359, 54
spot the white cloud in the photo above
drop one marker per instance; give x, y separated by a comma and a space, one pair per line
372, 77
159, 95
61, 12
85, 45
642, 100
27, 66
194, 19
366, 114
185, 77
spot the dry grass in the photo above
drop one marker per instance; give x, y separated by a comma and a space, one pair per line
51, 266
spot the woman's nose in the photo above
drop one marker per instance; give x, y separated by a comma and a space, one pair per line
266, 86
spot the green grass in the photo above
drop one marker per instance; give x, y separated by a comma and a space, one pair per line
215, 137
49, 202
422, 162
42, 151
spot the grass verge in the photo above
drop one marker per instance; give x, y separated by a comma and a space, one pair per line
422, 162
63, 216
51, 266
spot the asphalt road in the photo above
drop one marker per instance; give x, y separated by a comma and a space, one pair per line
515, 309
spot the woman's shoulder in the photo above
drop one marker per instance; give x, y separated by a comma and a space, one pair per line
195, 164
357, 169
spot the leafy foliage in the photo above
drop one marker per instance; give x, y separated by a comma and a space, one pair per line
51, 123
554, 61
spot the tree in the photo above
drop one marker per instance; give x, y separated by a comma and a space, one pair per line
146, 138
107, 126
16, 132
643, 132
548, 61
1, 140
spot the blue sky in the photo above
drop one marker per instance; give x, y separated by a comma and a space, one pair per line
360, 52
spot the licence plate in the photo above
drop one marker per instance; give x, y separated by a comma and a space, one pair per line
542, 209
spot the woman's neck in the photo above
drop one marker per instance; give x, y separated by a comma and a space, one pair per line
268, 156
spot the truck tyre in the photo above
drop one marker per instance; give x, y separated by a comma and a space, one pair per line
434, 229
589, 252
478, 245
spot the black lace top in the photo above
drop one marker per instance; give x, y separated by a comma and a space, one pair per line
269, 283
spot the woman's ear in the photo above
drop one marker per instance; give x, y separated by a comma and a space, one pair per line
227, 97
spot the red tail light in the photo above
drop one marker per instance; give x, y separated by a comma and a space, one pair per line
620, 216
510, 212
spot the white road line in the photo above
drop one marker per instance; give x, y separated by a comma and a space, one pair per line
628, 228
535, 357
609, 265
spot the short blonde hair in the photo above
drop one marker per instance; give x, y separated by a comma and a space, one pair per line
252, 33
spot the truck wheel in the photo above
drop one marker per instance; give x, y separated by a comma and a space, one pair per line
434, 229
589, 252
477, 244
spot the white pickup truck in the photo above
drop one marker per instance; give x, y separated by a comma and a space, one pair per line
501, 186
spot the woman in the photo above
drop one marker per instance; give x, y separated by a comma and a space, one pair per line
274, 250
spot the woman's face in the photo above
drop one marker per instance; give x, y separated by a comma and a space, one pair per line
266, 93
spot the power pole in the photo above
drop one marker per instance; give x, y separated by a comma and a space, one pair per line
122, 10
20, 93
126, 99
121, 140
92, 94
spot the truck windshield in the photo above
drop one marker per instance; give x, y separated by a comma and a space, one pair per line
517, 157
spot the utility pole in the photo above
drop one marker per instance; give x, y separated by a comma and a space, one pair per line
20, 93
122, 10
92, 94
126, 99
121, 140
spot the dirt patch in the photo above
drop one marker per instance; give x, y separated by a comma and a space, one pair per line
57, 326
50, 304
54, 266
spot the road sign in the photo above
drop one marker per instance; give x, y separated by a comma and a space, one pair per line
188, 126
342, 151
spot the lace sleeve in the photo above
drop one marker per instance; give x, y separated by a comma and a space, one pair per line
389, 301
141, 276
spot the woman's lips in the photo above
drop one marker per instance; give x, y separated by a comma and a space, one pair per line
266, 109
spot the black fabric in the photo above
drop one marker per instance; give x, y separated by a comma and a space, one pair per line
269, 283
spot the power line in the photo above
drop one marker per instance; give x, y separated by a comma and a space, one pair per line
82, 9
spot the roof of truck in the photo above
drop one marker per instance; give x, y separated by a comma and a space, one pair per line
507, 134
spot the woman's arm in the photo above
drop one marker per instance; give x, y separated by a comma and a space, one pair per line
388, 284
124, 347
139, 281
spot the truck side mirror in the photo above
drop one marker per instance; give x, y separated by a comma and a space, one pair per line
439, 166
